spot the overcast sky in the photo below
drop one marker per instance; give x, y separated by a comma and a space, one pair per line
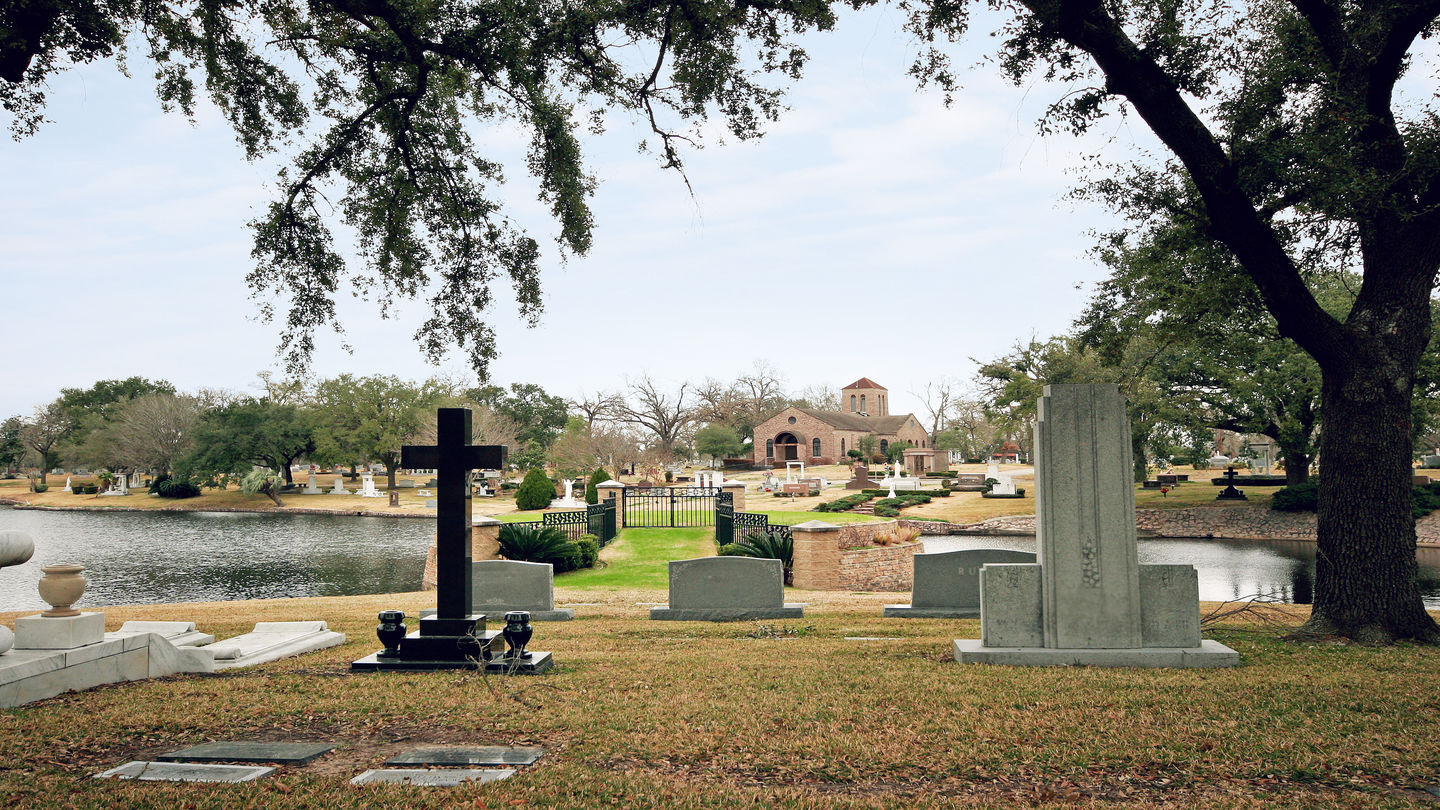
872, 232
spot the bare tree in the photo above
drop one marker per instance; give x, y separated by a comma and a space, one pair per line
598, 407
761, 393
939, 398
150, 432
663, 416
818, 398
487, 426
45, 430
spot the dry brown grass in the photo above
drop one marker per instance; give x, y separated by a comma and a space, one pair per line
775, 714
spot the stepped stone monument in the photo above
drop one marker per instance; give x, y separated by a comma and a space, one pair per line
1088, 601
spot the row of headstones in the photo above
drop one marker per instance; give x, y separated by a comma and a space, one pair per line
244, 761
946, 585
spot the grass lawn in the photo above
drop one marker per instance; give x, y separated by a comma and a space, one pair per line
783, 714
639, 558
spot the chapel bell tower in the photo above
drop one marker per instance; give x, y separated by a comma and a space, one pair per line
865, 397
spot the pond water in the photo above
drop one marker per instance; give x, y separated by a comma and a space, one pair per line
1228, 569
150, 557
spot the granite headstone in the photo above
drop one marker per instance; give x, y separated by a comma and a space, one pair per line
726, 589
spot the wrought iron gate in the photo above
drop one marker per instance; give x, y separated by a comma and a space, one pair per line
671, 507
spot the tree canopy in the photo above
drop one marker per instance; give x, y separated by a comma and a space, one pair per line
382, 99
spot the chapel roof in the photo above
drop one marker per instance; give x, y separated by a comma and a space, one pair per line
865, 382
854, 421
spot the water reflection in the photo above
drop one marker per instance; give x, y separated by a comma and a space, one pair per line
1228, 569
143, 558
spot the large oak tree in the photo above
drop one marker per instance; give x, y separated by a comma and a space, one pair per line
1285, 128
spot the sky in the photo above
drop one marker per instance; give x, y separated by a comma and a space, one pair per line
872, 232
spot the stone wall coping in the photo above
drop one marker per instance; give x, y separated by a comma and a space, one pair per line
815, 526
611, 484
484, 520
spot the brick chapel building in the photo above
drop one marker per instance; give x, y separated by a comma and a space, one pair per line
824, 437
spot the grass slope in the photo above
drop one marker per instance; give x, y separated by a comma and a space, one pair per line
786, 714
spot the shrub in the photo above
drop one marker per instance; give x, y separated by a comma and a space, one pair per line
41, 487
173, 488
589, 547
1298, 498
592, 495
886, 511
769, 546
532, 542
1427, 499
732, 550
535, 492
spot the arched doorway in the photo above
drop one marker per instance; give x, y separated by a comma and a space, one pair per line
787, 447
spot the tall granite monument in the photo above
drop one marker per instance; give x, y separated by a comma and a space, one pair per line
454, 637
1088, 600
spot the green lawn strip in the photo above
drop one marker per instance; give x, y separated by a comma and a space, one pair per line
639, 558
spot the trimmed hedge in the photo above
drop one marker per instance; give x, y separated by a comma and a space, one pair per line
1306, 498
1299, 498
536, 491
844, 504
883, 493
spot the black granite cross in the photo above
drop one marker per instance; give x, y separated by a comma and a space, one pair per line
453, 457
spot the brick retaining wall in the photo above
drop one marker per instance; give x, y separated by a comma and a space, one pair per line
878, 568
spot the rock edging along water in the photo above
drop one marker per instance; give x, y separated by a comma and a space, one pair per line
1236, 522
274, 510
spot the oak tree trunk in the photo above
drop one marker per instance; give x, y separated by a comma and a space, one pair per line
1365, 568
1297, 467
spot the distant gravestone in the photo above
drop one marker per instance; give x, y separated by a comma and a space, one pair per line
1088, 601
726, 589
947, 584
861, 479
970, 482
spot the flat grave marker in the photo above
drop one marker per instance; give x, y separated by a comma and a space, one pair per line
471, 755
285, 753
448, 777
185, 772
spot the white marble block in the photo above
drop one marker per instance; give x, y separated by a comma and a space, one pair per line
59, 632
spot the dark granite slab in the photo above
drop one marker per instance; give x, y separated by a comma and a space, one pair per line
286, 753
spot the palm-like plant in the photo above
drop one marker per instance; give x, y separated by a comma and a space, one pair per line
536, 543
770, 545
